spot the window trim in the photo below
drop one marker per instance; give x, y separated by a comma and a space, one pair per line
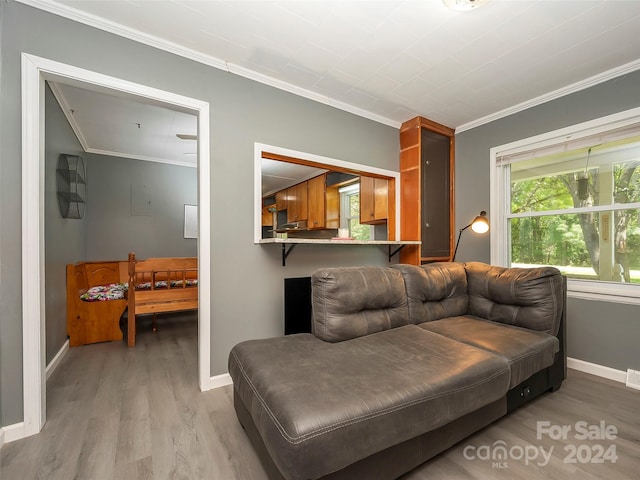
499, 184
345, 210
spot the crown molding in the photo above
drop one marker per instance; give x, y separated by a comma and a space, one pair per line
144, 158
171, 47
561, 92
66, 110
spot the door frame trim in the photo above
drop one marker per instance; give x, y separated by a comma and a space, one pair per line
35, 70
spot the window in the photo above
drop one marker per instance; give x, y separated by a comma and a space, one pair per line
571, 199
350, 213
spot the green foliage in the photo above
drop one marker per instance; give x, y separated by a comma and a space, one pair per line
357, 230
539, 194
559, 239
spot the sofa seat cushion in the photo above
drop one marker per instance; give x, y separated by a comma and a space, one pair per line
526, 351
321, 406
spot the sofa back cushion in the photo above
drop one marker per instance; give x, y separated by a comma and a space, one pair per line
435, 290
525, 297
350, 302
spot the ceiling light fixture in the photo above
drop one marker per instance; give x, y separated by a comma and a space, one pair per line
464, 5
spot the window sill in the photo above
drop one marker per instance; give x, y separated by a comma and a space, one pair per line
604, 291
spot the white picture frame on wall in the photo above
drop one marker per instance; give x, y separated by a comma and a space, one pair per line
190, 221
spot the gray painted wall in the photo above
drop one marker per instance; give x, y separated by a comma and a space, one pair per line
603, 333
114, 228
247, 280
65, 237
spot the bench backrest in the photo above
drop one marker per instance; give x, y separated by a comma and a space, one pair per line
90, 274
173, 293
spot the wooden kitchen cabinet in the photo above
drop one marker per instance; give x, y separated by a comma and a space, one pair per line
317, 202
427, 190
332, 207
297, 202
281, 200
374, 200
267, 215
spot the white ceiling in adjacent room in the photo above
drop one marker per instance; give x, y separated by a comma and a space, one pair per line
277, 175
111, 124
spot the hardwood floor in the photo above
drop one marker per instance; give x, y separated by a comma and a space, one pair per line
137, 413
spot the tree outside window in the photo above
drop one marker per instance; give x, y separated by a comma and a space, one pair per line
579, 211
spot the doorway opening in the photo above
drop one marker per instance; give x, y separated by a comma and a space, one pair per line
35, 72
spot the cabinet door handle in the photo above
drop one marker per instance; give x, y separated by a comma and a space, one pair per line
427, 224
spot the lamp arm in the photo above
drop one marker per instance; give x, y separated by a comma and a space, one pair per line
458, 241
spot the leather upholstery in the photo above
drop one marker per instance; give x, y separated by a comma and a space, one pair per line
396, 353
524, 297
321, 406
435, 290
526, 351
356, 301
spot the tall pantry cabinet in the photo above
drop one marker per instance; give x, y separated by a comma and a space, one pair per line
426, 191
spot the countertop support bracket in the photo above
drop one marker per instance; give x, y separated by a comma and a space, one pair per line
286, 251
391, 254
292, 242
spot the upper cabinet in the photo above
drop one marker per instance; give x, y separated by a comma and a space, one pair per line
426, 185
317, 202
281, 200
297, 202
267, 215
374, 200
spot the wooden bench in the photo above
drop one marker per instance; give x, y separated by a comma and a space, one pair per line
93, 322
162, 285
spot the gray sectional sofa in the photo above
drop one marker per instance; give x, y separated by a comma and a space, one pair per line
403, 362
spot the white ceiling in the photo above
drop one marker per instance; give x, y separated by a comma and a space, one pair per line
277, 175
388, 60
110, 124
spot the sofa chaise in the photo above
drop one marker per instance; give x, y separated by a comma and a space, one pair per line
402, 363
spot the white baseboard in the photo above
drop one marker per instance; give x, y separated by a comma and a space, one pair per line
220, 381
14, 432
55, 362
11, 433
598, 370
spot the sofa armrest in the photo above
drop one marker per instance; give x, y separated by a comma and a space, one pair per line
525, 297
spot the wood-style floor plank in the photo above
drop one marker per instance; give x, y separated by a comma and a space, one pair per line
136, 413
